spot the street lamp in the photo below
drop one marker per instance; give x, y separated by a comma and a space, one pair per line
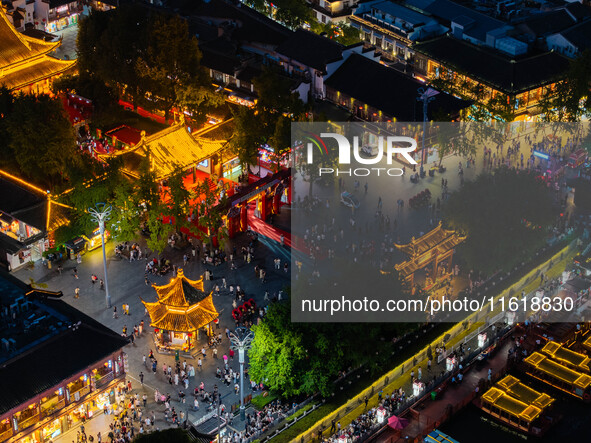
99, 215
426, 97
241, 340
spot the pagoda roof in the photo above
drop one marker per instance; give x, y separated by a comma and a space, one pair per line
182, 305
16, 47
36, 69
438, 240
430, 240
169, 149
24, 59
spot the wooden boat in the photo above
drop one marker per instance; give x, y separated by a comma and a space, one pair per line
518, 406
559, 376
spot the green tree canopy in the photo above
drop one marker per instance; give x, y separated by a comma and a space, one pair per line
505, 215
38, 142
150, 56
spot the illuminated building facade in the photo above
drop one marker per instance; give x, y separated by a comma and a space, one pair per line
28, 215
82, 364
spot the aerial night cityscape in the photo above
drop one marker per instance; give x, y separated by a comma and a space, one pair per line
343, 221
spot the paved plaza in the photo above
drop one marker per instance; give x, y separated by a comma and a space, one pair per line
127, 286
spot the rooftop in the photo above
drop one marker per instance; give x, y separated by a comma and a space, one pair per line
509, 75
251, 26
388, 90
24, 59
449, 11
46, 329
579, 35
168, 149
402, 12
548, 22
311, 49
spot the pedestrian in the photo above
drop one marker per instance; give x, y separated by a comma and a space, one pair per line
366, 401
199, 364
77, 293
224, 284
101, 284
196, 404
75, 270
114, 311
142, 379
282, 240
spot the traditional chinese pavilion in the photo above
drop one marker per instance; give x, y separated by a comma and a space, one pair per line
434, 248
182, 309
171, 148
24, 61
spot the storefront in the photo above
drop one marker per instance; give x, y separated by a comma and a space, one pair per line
183, 341
66, 15
232, 168
94, 239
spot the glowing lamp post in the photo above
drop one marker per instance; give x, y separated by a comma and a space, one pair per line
99, 215
241, 340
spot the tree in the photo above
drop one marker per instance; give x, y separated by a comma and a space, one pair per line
159, 231
504, 215
177, 199
276, 95
127, 214
209, 215
147, 185
249, 134
157, 66
171, 62
38, 139
270, 121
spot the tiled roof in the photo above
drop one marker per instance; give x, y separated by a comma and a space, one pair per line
168, 149
37, 69
15, 47
388, 90
182, 305
503, 73
311, 49
65, 353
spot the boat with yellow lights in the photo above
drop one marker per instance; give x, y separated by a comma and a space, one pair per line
518, 406
571, 381
567, 357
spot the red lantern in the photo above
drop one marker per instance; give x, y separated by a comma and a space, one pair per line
189, 334
156, 330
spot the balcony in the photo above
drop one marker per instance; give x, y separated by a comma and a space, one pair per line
105, 379
47, 410
28, 421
